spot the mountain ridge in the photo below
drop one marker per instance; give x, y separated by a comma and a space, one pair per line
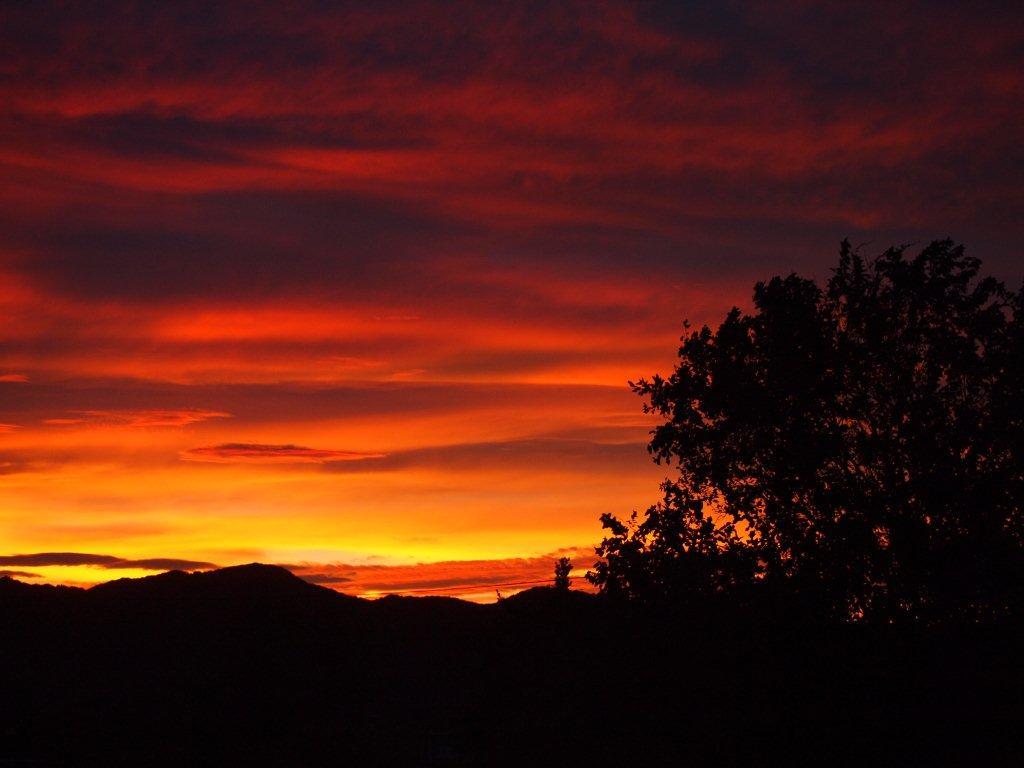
251, 665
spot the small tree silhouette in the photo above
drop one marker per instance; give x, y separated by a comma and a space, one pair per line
563, 566
859, 444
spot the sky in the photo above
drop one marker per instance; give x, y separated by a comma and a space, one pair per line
357, 288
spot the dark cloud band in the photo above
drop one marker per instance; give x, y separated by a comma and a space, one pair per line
42, 559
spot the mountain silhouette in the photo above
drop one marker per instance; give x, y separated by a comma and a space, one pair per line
250, 665
253, 584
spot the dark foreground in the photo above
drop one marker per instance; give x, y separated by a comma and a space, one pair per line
251, 666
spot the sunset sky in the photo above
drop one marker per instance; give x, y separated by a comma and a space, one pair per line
356, 288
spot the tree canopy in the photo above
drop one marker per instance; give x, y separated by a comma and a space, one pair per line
563, 567
857, 444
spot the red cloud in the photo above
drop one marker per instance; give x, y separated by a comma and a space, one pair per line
228, 453
139, 419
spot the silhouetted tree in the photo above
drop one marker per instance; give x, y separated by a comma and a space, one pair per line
563, 566
860, 445
676, 551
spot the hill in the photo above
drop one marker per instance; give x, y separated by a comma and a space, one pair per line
253, 666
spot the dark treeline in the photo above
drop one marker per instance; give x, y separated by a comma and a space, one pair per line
833, 577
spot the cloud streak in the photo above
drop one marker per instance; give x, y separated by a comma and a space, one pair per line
230, 453
41, 559
141, 419
18, 574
